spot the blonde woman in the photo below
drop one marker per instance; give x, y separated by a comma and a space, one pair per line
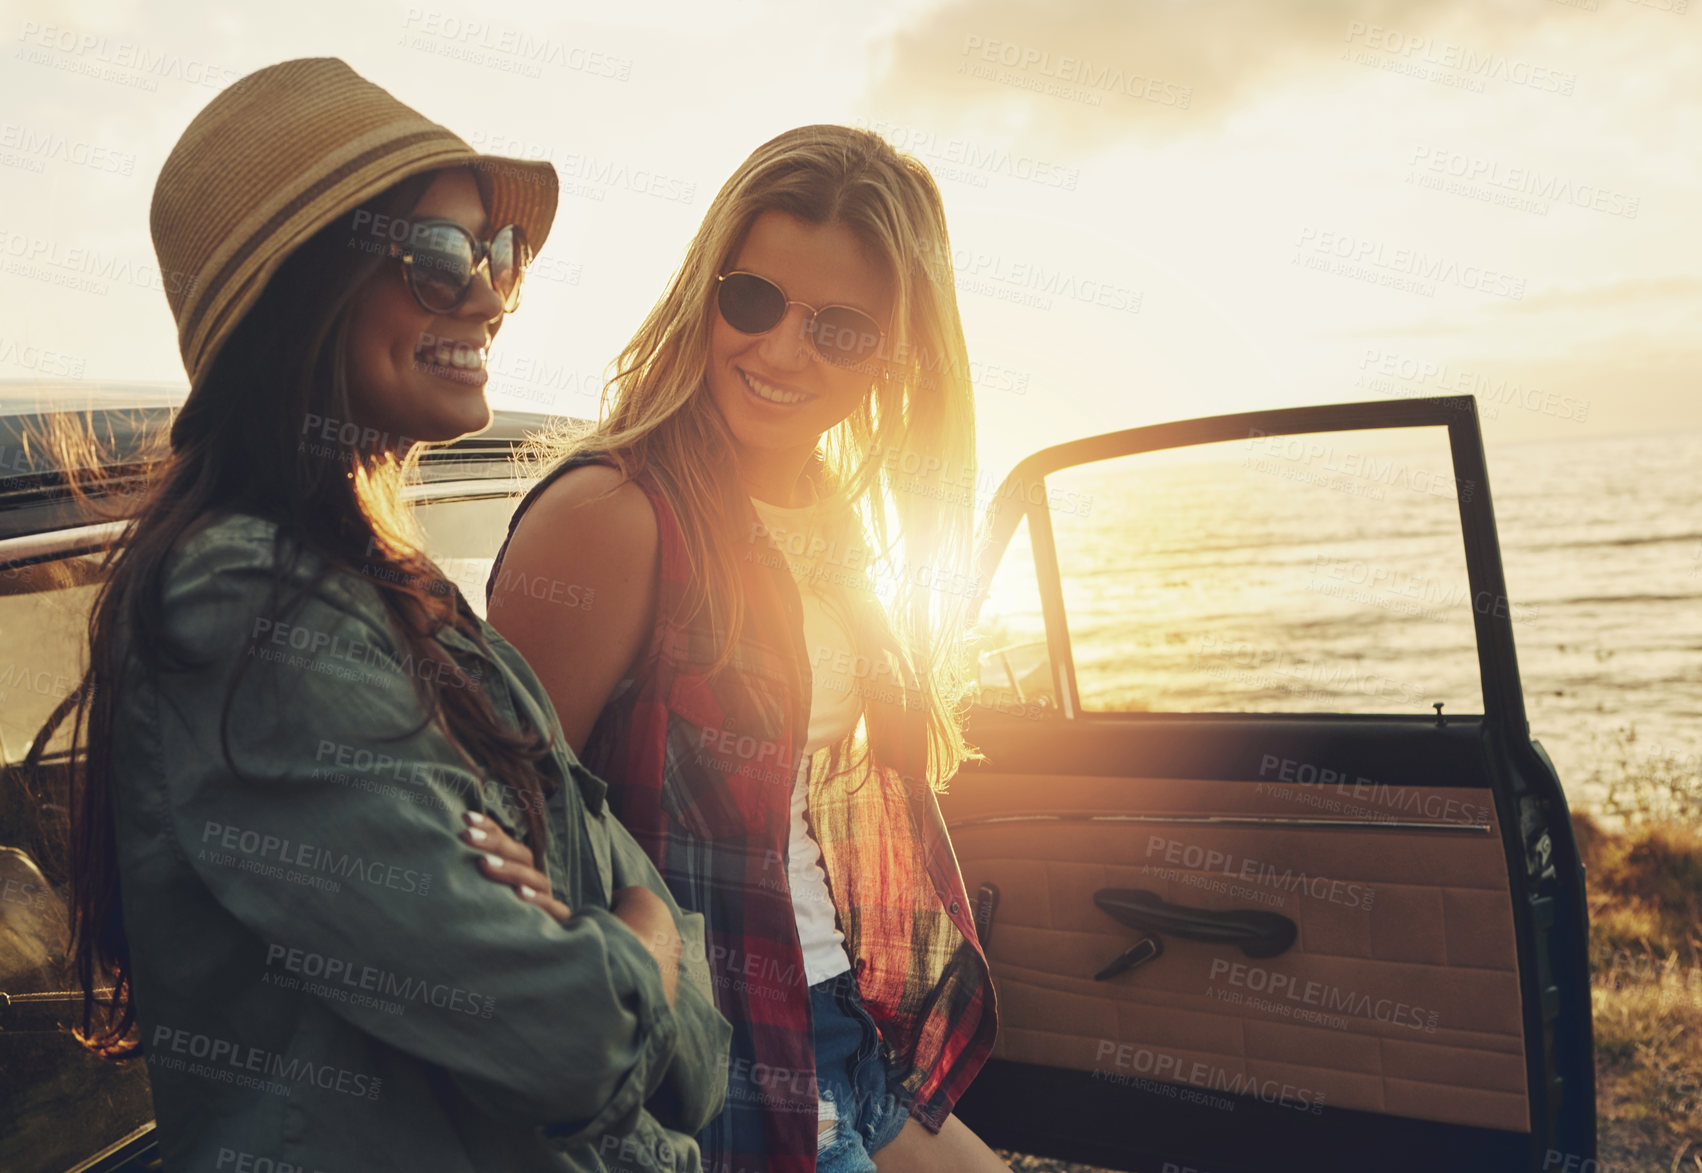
699, 584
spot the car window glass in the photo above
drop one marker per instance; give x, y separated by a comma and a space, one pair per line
58, 1102
463, 537
1319, 573
1014, 668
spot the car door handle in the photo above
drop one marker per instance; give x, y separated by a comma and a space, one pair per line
1258, 933
43, 1011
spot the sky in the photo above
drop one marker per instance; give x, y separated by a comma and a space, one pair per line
1158, 208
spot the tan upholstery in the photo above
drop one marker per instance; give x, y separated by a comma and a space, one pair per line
1406, 936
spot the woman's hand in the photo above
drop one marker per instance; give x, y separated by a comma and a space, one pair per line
510, 863
647, 915
507, 862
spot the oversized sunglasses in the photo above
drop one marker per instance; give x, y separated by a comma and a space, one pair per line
440, 260
841, 334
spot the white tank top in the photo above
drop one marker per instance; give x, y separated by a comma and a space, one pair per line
835, 710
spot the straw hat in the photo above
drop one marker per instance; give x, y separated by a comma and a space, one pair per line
279, 155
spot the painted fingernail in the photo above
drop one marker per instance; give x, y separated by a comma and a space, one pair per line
474, 817
476, 835
528, 892
494, 860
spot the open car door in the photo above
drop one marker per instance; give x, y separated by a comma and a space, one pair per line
1271, 875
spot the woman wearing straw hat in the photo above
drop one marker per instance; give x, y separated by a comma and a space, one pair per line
770, 730
360, 905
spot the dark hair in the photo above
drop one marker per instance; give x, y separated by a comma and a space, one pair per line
240, 444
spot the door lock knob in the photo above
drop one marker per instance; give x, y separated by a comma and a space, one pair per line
1141, 952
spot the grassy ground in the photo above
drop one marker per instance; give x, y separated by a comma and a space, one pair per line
1645, 895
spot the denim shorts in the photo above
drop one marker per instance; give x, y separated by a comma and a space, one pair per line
851, 1080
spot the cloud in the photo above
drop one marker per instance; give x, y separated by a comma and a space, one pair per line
1672, 290
1089, 71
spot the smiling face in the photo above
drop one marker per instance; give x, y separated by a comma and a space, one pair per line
776, 393
414, 374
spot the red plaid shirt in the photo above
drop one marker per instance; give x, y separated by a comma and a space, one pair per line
700, 770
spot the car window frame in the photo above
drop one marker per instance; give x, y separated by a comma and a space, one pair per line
1502, 691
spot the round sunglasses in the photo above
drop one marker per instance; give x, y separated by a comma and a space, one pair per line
841, 334
440, 259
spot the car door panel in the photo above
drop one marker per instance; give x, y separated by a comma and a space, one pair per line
1432, 1011
1400, 991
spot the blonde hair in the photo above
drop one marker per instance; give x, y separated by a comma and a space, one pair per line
657, 415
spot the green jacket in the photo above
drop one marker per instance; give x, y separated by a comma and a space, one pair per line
324, 980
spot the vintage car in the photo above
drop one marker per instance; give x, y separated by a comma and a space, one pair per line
1269, 870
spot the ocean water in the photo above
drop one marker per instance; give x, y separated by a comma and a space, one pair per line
1604, 538
1327, 574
